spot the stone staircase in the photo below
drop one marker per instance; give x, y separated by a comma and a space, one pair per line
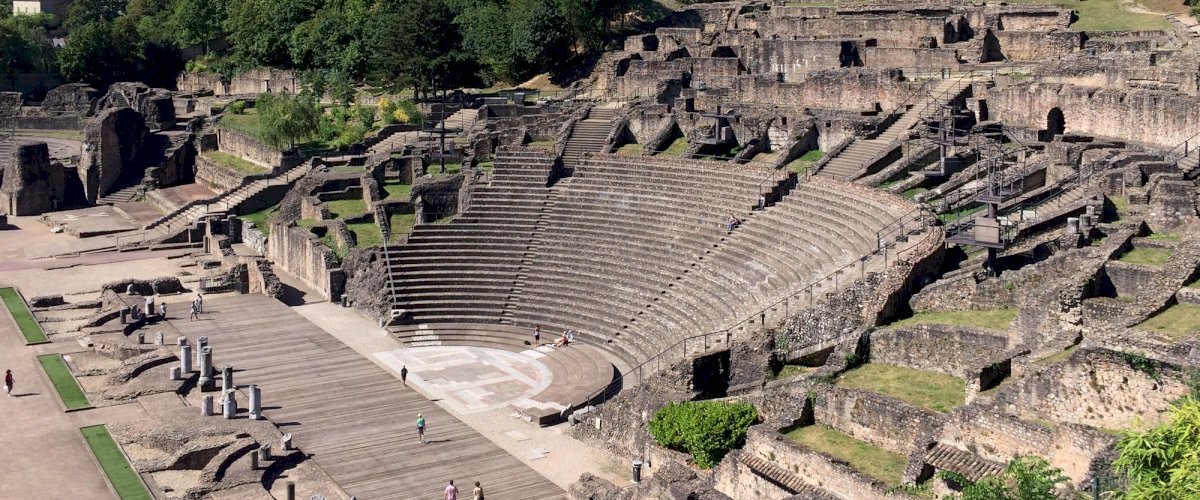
123, 195
852, 161
188, 214
1190, 166
588, 135
462, 121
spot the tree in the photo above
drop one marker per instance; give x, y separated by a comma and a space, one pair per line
84, 12
197, 21
418, 46
1164, 462
261, 29
336, 39
1025, 478
284, 120
24, 47
100, 53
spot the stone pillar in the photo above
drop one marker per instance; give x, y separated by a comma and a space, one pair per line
205, 366
201, 343
141, 337
1072, 225
175, 373
124, 316
206, 406
181, 341
291, 490
158, 338
185, 359
255, 402
227, 379
264, 452
230, 404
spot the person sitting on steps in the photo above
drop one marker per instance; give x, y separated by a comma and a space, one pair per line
732, 223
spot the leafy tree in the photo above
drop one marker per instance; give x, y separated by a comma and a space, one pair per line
197, 21
261, 29
84, 12
153, 21
24, 46
284, 120
335, 39
100, 53
705, 429
418, 46
1025, 478
1164, 462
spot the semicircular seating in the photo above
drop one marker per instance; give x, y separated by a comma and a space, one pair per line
632, 253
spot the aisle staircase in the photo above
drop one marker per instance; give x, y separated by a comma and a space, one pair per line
188, 214
853, 161
588, 135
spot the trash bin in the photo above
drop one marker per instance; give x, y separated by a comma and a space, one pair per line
637, 471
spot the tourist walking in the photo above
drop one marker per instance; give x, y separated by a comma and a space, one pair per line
451, 491
421, 430
477, 494
8, 382
404, 375
162, 310
762, 201
199, 303
195, 312
537, 335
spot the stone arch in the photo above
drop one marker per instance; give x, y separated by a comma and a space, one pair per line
1056, 123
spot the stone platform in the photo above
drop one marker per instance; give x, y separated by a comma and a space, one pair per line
91, 221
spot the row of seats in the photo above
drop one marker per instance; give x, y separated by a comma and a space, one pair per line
632, 253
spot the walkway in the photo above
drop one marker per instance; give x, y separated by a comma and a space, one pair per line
354, 417
43, 454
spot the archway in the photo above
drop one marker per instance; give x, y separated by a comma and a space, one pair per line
1056, 124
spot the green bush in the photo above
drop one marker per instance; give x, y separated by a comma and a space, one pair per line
237, 107
365, 116
705, 429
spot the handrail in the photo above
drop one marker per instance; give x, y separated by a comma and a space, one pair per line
1173, 156
760, 315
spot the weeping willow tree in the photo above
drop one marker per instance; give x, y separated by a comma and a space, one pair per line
285, 120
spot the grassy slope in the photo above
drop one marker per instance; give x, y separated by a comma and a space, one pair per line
993, 319
1146, 256
865, 457
1180, 321
25, 321
235, 163
931, 390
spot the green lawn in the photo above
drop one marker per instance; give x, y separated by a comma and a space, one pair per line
366, 234
865, 457
789, 371
247, 123
1165, 237
262, 218
339, 209
20, 312
912, 193
1146, 256
435, 168
800, 165
64, 383
1179, 321
936, 391
124, 479
1058, 356
1194, 284
676, 148
402, 224
633, 149
1120, 204
398, 192
73, 135
486, 165
1106, 15
235, 163
955, 215
540, 144
992, 319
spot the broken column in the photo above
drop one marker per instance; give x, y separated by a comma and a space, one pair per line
175, 373
158, 338
201, 343
185, 359
230, 404
205, 366
227, 379
206, 406
1072, 225
255, 402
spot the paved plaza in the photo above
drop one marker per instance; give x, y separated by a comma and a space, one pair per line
471, 379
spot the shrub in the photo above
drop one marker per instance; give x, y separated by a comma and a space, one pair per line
407, 112
705, 429
1025, 478
365, 116
237, 107
340, 115
387, 111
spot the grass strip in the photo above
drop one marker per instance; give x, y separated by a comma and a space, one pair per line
865, 457
25, 321
936, 391
992, 319
64, 383
124, 479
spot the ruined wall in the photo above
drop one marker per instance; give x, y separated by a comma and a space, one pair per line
952, 350
1000, 438
255, 81
76, 99
1096, 388
29, 183
817, 469
250, 148
216, 176
890, 31
855, 89
870, 417
298, 251
793, 57
111, 143
1162, 120
1021, 46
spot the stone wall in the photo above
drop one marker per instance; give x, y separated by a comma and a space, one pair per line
849, 89
250, 148
1021, 46
29, 183
870, 417
1000, 438
951, 350
111, 144
1163, 120
817, 469
216, 176
300, 252
795, 57
1094, 387
890, 31
256, 81
77, 99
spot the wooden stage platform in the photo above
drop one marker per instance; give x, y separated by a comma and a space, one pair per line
355, 418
